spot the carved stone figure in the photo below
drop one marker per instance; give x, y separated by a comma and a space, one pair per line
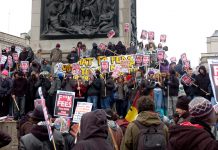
78, 18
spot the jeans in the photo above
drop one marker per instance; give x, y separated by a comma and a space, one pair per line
172, 106
93, 100
121, 107
105, 102
21, 105
158, 99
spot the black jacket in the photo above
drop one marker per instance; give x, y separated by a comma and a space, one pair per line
94, 88
72, 57
23, 56
19, 87
5, 87
173, 86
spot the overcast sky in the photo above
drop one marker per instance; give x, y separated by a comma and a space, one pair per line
186, 23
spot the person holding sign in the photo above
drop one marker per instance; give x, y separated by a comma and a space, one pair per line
80, 88
94, 132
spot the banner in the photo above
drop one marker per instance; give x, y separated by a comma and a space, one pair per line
15, 57
126, 27
143, 35
3, 59
138, 60
151, 36
213, 73
10, 62
64, 104
163, 38
81, 108
111, 34
105, 66
160, 56
173, 59
187, 80
146, 60
24, 65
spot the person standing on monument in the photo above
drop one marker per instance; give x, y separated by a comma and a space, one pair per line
56, 55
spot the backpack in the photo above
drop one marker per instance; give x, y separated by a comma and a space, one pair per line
150, 137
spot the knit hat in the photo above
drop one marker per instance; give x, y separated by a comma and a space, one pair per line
182, 103
58, 45
145, 103
200, 107
5, 72
38, 113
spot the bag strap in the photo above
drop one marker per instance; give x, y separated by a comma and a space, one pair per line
113, 139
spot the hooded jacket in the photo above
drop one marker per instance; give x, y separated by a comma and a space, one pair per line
146, 118
72, 57
94, 132
188, 136
38, 139
120, 48
96, 51
203, 82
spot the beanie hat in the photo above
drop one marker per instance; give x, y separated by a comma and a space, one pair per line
58, 45
5, 72
182, 103
145, 103
200, 107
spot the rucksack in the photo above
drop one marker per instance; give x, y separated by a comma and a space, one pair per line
150, 137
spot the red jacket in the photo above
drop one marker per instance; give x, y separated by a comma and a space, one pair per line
81, 92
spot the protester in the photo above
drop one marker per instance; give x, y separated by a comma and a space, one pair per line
190, 90
158, 98
38, 138
203, 82
120, 48
173, 85
23, 55
196, 133
182, 110
38, 56
85, 53
80, 88
94, 89
95, 51
146, 119
56, 55
73, 57
93, 132
79, 49
19, 90
68, 84
30, 56
132, 49
45, 66
5, 139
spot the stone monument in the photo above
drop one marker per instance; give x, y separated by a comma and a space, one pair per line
70, 21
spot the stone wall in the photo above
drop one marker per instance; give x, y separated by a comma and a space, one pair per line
67, 44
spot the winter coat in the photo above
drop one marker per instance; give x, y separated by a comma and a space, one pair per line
20, 87
94, 88
36, 67
5, 87
38, 139
173, 86
46, 68
30, 56
203, 82
68, 85
45, 84
120, 48
146, 118
96, 51
189, 90
131, 50
117, 133
5, 139
69, 141
56, 55
55, 85
72, 57
119, 91
23, 56
82, 91
94, 132
188, 136
109, 87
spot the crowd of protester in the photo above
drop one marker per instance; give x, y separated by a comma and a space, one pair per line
167, 118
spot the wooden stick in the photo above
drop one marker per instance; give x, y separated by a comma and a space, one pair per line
201, 89
54, 144
79, 87
16, 104
111, 51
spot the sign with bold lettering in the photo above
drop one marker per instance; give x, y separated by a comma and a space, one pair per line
81, 108
64, 103
187, 80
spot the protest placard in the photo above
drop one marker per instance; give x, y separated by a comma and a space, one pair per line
39, 102
24, 65
3, 59
146, 60
64, 103
15, 57
102, 46
76, 70
160, 56
150, 35
184, 57
81, 108
163, 38
186, 64
143, 35
187, 80
138, 60
126, 27
116, 71
10, 62
105, 67
111, 34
